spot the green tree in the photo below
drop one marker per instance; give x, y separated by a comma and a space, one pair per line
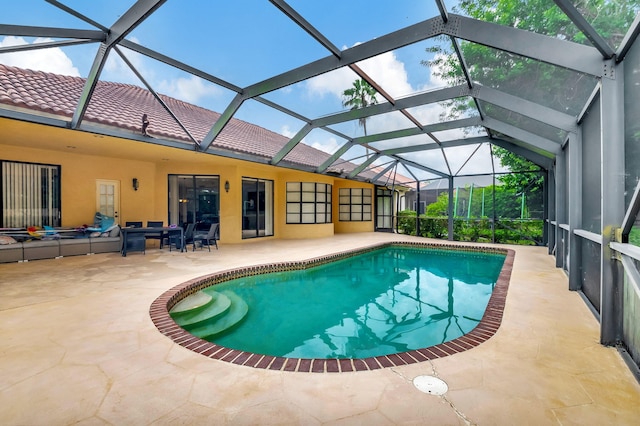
360, 95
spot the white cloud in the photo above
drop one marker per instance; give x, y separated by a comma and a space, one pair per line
49, 60
286, 131
191, 89
331, 83
328, 145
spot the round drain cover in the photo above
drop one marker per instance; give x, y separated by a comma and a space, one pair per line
431, 385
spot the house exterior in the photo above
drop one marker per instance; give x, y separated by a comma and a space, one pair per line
117, 165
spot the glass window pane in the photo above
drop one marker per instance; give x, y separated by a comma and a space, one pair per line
293, 196
308, 197
308, 186
293, 186
293, 208
293, 218
308, 218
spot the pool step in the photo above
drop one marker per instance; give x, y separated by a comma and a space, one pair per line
236, 313
217, 305
190, 304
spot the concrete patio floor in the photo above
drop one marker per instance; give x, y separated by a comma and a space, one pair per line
79, 347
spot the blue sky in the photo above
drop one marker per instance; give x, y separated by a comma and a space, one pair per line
244, 42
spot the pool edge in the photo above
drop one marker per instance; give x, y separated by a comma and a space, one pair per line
486, 328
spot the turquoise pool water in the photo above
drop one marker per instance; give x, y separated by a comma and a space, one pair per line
385, 301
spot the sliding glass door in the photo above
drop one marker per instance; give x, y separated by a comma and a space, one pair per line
194, 199
257, 208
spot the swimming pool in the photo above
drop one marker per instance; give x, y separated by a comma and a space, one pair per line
385, 318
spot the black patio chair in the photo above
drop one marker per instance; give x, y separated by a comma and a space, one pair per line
173, 237
133, 224
210, 237
160, 235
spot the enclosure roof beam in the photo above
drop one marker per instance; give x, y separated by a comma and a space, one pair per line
306, 26
133, 17
406, 163
122, 27
344, 148
45, 45
223, 120
291, 144
529, 109
431, 146
578, 19
629, 38
537, 143
408, 102
363, 166
77, 14
395, 40
413, 131
562, 53
179, 65
542, 161
384, 171
30, 31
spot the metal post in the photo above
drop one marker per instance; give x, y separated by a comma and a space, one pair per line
561, 190
612, 209
455, 204
450, 210
470, 198
493, 216
574, 213
545, 209
551, 210
418, 208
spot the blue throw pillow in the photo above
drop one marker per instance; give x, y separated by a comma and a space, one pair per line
106, 223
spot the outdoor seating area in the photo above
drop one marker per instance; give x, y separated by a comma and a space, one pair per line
18, 245
23, 244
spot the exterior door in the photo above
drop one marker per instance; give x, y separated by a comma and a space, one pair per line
108, 198
384, 210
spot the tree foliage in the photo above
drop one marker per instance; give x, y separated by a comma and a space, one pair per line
548, 85
360, 95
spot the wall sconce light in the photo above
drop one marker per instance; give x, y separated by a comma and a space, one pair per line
226, 186
135, 184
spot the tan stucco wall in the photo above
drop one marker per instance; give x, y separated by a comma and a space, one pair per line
86, 157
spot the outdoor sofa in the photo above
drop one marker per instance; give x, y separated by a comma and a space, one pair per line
57, 242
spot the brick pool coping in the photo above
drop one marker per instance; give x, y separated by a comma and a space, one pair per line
486, 328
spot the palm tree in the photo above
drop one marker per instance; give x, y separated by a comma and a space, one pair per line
360, 95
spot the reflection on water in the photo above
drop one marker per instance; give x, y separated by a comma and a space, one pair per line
386, 301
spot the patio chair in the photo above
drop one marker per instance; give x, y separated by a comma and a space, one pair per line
173, 237
133, 224
160, 235
208, 238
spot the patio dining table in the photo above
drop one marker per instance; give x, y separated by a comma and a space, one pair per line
128, 231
